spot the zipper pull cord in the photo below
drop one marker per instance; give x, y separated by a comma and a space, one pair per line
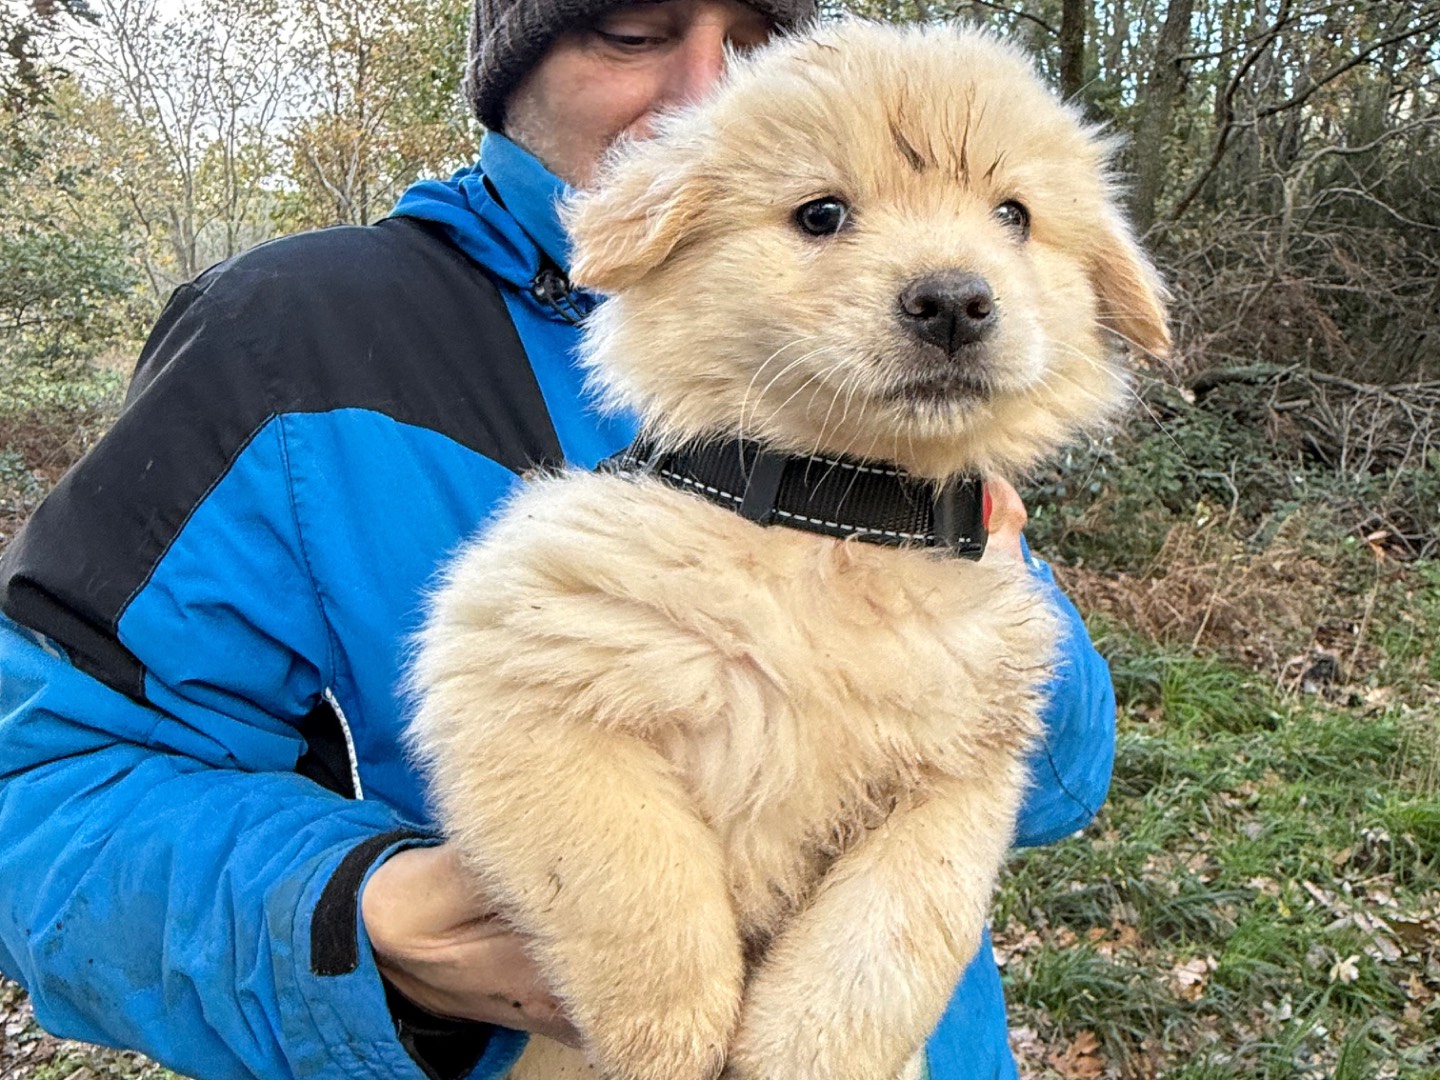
552, 288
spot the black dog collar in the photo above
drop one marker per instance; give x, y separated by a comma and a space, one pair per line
833, 496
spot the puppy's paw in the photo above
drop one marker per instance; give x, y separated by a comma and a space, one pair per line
914, 1070
665, 1030
797, 1044
835, 1002
788, 1066
668, 1047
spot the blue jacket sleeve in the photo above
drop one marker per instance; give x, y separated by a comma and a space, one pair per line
168, 881
1070, 770
151, 900
154, 900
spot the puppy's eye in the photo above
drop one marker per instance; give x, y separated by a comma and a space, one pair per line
1014, 217
823, 217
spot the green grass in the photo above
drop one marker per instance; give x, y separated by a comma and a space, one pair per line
1287, 849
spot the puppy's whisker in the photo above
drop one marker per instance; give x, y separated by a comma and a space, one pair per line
749, 396
1073, 351
852, 448
850, 397
1126, 388
779, 409
1155, 419
834, 400
848, 386
824, 424
829, 412
765, 391
1053, 376
1127, 339
854, 478
851, 387
760, 370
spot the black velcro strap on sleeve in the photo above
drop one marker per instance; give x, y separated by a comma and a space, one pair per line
334, 945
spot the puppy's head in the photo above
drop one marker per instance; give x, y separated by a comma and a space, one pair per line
889, 242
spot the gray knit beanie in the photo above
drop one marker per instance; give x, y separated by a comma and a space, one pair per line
508, 36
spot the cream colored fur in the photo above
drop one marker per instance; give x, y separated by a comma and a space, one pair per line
749, 789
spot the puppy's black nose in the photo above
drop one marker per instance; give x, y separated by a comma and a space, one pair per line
949, 309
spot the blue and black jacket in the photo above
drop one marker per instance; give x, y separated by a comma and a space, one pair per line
205, 626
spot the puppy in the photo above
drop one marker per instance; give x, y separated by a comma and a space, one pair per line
748, 788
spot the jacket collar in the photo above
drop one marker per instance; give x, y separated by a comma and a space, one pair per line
530, 191
501, 211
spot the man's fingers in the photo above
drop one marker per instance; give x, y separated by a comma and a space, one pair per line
1007, 509
1005, 522
491, 980
437, 939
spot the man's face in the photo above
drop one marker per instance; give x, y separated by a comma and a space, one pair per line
613, 77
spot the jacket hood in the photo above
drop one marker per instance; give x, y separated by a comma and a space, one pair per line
502, 211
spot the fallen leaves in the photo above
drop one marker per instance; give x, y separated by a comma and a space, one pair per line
1188, 978
1346, 971
1389, 935
1080, 1060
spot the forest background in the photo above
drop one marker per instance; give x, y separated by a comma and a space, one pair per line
1255, 548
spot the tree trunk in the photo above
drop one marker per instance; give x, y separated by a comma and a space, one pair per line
1073, 14
1161, 93
1113, 68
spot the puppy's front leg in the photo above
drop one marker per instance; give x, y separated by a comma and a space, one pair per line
854, 986
590, 847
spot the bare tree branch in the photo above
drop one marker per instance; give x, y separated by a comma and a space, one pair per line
1228, 122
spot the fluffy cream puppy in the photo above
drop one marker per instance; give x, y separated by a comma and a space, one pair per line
749, 788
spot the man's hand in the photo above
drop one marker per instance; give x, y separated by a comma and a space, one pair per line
1005, 522
442, 946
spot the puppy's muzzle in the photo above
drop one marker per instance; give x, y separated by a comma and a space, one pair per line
951, 309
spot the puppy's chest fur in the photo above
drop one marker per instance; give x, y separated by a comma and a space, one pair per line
799, 688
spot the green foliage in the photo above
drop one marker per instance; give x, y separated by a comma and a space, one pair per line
29, 64
1408, 621
1418, 819
68, 282
1234, 459
20, 488
386, 110
1226, 895
60, 292
49, 415
1078, 989
41, 394
1111, 504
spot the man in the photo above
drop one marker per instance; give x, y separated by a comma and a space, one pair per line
212, 848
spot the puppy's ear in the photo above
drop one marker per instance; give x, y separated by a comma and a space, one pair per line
632, 221
1131, 295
